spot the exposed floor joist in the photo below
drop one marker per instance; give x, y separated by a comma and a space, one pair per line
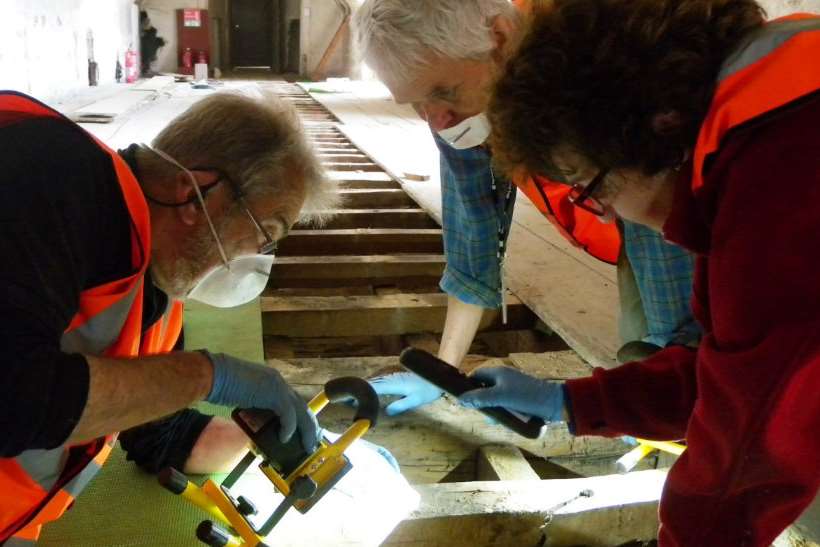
377, 315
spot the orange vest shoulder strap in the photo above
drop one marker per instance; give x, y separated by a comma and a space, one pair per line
579, 227
769, 72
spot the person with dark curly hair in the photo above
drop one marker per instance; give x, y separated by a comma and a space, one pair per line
442, 58
699, 119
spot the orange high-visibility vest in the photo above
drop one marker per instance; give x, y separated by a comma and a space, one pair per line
579, 227
39, 485
774, 70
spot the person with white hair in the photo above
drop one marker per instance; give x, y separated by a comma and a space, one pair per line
100, 250
443, 57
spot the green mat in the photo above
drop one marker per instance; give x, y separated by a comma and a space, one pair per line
124, 506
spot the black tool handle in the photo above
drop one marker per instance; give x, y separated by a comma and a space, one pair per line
212, 535
456, 383
173, 480
343, 389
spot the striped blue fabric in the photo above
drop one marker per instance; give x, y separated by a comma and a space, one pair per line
664, 273
475, 217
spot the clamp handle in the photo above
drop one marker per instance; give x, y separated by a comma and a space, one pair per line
340, 390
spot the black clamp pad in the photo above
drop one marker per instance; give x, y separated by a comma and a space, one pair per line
340, 390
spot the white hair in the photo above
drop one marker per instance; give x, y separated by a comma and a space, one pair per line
397, 36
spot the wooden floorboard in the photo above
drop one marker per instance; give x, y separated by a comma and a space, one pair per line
360, 241
377, 315
366, 269
380, 218
369, 198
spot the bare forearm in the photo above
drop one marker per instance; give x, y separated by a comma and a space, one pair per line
460, 328
124, 393
218, 449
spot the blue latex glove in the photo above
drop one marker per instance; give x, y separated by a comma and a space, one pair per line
414, 391
242, 384
514, 390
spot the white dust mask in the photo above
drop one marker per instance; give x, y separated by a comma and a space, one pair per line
469, 133
236, 281
233, 284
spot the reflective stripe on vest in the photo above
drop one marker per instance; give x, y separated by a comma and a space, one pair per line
776, 66
581, 228
108, 322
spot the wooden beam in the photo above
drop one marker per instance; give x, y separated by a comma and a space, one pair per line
438, 440
369, 185
503, 462
381, 199
318, 271
348, 166
621, 508
337, 157
360, 241
374, 176
380, 315
380, 218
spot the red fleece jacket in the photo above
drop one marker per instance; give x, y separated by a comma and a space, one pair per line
748, 400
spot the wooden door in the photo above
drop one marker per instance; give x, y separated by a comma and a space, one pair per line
251, 33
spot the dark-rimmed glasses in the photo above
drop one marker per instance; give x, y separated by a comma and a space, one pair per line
581, 196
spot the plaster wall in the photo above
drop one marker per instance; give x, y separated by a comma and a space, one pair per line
44, 46
776, 8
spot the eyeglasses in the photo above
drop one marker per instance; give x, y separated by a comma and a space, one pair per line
267, 248
581, 196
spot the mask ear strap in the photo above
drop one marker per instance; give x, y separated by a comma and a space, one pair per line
193, 180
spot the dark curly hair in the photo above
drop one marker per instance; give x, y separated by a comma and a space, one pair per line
592, 75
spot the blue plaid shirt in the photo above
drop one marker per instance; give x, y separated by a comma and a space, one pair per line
664, 274
477, 208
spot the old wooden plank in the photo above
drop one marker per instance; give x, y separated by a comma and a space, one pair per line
382, 199
368, 176
620, 509
360, 241
307, 271
351, 166
370, 315
557, 365
369, 185
380, 218
337, 157
503, 462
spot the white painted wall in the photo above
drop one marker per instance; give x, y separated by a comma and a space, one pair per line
776, 8
320, 21
163, 15
43, 48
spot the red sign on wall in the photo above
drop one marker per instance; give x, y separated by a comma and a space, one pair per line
192, 18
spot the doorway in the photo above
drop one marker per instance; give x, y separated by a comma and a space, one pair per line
252, 33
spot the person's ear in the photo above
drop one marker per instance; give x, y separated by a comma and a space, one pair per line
666, 123
503, 30
184, 193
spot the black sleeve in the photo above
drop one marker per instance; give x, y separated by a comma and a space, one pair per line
64, 228
164, 443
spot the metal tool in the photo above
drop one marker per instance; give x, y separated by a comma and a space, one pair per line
628, 461
302, 477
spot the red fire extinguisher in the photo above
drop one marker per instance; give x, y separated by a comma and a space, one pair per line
187, 60
131, 72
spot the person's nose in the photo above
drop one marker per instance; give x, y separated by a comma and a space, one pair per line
437, 117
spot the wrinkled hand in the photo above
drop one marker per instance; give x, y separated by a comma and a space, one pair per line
243, 384
512, 389
413, 390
